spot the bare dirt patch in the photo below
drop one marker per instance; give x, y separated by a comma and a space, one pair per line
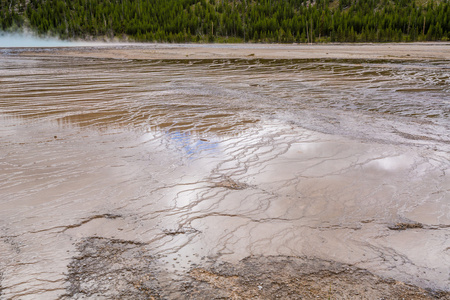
404, 226
298, 278
231, 184
118, 269
111, 269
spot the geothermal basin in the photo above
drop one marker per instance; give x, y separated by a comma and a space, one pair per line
128, 173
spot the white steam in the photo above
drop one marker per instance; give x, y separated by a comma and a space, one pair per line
9, 40
26, 40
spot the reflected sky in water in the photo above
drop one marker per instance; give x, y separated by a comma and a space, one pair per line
192, 145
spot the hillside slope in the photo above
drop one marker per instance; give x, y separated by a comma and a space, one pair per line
283, 21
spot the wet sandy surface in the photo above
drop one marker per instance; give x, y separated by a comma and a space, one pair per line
141, 179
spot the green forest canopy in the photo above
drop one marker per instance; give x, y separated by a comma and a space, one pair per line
284, 21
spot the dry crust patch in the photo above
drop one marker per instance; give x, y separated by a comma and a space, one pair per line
111, 269
283, 277
405, 225
119, 269
229, 183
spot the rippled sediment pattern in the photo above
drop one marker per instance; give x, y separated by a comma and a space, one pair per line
204, 161
234, 92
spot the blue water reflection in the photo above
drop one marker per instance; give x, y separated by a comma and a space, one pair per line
192, 145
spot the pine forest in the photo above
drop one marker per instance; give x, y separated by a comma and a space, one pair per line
270, 21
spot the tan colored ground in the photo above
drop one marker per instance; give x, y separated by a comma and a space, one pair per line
413, 51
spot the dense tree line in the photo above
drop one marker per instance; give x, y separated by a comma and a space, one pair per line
232, 20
